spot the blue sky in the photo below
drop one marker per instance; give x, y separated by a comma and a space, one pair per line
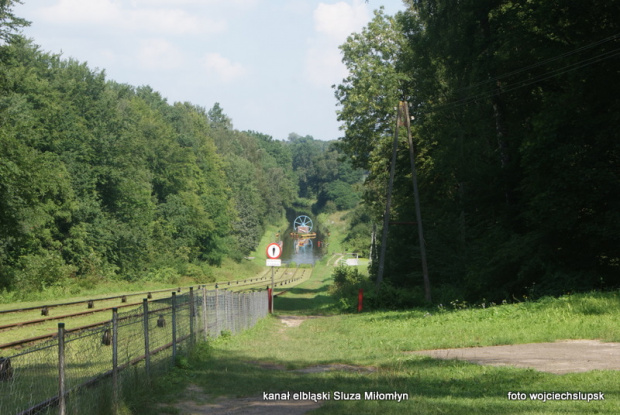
269, 63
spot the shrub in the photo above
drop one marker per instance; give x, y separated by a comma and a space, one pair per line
166, 275
347, 282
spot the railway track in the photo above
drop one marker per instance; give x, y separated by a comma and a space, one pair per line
90, 303
282, 277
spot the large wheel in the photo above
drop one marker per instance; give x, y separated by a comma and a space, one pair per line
303, 222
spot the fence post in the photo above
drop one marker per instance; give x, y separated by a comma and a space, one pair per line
234, 318
244, 316
246, 310
115, 359
147, 352
217, 314
204, 311
174, 328
192, 315
62, 407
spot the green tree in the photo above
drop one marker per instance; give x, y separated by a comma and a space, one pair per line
370, 93
218, 119
516, 156
9, 23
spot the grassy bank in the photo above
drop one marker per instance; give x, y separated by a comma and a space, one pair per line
76, 289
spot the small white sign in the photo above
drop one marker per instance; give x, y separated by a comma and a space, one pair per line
273, 251
274, 262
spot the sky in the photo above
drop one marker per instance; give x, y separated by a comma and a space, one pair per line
270, 64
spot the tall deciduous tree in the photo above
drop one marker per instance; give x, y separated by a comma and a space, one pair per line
515, 105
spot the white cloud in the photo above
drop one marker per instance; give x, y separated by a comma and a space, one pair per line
238, 4
324, 66
171, 21
332, 24
224, 68
86, 11
120, 15
340, 19
157, 54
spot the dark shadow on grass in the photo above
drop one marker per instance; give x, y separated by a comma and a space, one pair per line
302, 305
305, 291
433, 386
304, 300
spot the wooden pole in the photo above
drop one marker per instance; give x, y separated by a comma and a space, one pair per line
174, 328
147, 351
418, 213
271, 293
115, 396
386, 215
62, 405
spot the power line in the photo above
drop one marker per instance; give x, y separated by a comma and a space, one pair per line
523, 83
543, 62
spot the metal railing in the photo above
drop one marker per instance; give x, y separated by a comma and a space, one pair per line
151, 337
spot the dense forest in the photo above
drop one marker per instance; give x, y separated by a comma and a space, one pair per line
516, 108
104, 181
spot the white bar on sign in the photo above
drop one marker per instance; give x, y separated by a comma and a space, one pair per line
274, 262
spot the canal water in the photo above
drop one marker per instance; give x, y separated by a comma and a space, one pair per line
301, 250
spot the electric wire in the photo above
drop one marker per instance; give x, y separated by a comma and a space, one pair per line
527, 82
541, 63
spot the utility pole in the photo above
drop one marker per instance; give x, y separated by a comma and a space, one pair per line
386, 214
418, 212
402, 117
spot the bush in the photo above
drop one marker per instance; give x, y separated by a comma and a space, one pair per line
37, 272
390, 297
347, 282
201, 274
165, 275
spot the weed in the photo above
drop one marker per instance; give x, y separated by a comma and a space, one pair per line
182, 362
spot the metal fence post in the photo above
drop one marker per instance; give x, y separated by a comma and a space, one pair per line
115, 359
192, 314
246, 311
231, 312
62, 407
204, 312
217, 314
174, 327
147, 353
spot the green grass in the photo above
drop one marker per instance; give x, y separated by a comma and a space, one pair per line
265, 358
235, 366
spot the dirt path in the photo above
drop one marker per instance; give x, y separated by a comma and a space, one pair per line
559, 357
253, 405
568, 356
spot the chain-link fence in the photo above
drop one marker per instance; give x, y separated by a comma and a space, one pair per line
51, 377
